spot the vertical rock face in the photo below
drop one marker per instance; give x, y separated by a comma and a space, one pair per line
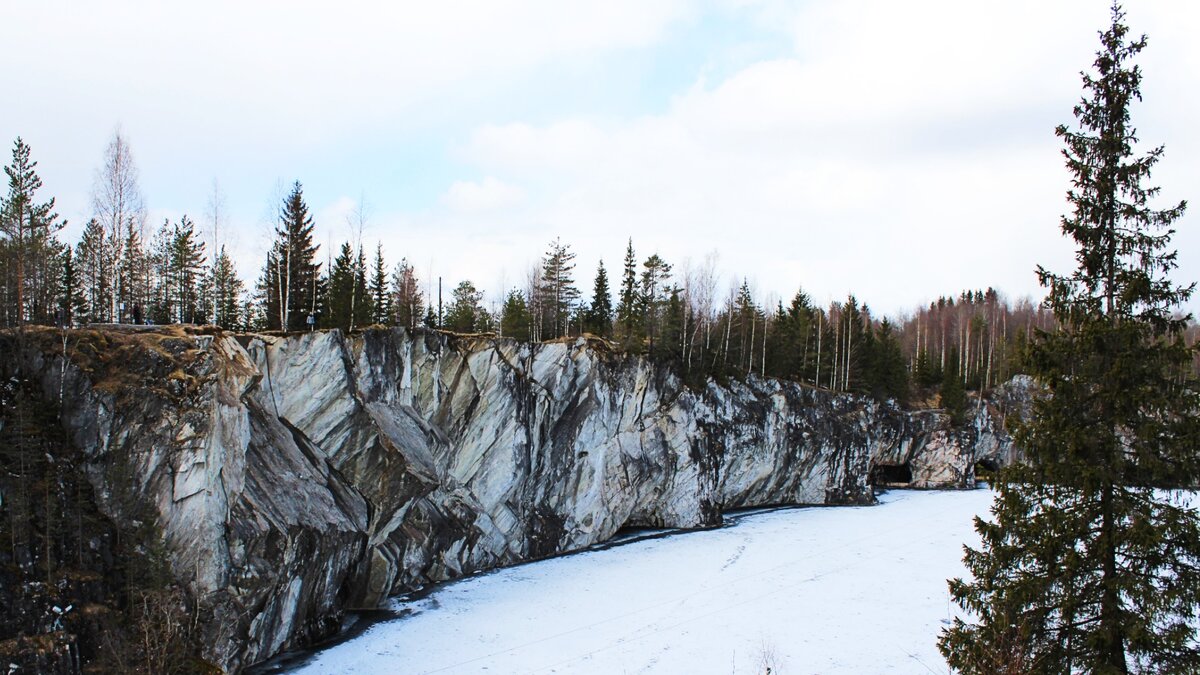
294, 477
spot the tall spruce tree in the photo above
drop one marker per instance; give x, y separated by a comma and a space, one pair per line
1090, 562
92, 261
71, 302
381, 298
887, 376
953, 394
185, 267
361, 303
627, 303
133, 277
290, 282
340, 301
514, 316
599, 315
790, 341
226, 289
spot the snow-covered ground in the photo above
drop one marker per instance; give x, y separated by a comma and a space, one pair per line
818, 590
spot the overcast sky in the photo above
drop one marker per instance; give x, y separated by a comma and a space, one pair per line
896, 150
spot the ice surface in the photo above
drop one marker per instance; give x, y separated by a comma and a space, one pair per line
817, 590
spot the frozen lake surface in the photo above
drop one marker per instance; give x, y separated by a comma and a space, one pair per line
814, 590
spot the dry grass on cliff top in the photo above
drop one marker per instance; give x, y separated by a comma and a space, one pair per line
122, 360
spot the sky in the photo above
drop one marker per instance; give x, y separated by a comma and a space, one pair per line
895, 150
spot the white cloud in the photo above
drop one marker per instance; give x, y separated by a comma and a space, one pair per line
902, 153
897, 150
490, 194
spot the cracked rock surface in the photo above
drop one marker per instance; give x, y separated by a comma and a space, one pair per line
296, 477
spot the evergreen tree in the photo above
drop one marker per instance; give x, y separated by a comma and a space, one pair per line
44, 278
599, 316
558, 288
226, 289
133, 278
465, 314
954, 395
790, 347
342, 276
290, 282
1090, 564
185, 267
654, 294
854, 344
627, 304
669, 346
514, 316
27, 224
888, 377
746, 318
360, 298
72, 304
926, 373
381, 297
91, 262
160, 305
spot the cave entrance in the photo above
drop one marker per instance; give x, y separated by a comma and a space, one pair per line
985, 470
895, 475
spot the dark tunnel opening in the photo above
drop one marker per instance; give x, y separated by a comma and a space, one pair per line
891, 474
985, 470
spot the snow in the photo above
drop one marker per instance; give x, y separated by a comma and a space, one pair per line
815, 590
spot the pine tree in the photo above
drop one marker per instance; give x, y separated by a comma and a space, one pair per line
1090, 563
653, 296
290, 282
27, 224
599, 315
558, 287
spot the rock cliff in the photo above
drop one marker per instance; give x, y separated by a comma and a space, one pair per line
296, 477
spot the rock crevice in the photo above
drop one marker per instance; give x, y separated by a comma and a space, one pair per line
297, 477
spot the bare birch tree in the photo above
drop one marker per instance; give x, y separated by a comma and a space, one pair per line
120, 209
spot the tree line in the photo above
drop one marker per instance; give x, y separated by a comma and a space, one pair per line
683, 315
